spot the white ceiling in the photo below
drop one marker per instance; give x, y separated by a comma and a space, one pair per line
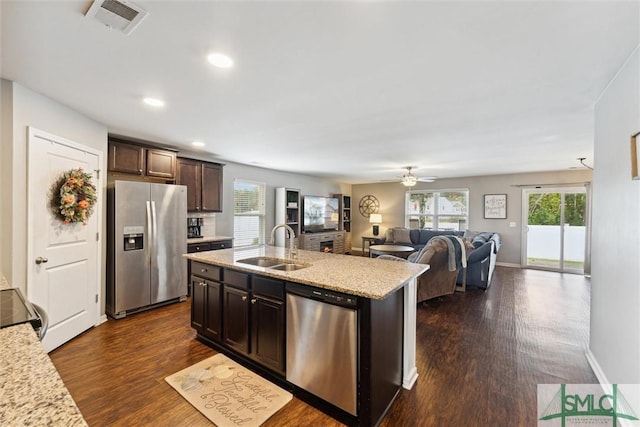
348, 90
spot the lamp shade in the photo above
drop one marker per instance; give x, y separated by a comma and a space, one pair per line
375, 218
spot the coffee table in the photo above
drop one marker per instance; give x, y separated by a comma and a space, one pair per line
396, 250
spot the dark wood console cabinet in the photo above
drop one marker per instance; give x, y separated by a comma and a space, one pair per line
204, 184
134, 159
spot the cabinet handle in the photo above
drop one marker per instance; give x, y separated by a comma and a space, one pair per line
244, 297
139, 170
203, 270
203, 284
253, 300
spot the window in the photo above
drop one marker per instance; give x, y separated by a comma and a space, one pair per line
248, 213
437, 210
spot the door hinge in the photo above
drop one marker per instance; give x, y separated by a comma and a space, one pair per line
97, 236
96, 298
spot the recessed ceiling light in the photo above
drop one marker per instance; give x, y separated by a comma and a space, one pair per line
220, 60
154, 102
197, 144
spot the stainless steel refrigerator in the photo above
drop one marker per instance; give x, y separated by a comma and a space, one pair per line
147, 235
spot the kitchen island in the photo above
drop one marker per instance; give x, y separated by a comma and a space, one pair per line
247, 303
32, 392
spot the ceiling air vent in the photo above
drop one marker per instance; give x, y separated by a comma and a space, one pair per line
117, 14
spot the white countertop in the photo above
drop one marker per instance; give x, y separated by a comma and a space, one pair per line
367, 277
32, 392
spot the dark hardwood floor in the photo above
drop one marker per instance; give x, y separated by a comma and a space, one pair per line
480, 356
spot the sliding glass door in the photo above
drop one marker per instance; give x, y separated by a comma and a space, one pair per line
555, 235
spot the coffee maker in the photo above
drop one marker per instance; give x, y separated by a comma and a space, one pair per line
194, 227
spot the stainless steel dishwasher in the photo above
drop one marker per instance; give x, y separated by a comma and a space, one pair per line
322, 344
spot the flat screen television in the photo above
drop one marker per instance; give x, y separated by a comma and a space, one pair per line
319, 214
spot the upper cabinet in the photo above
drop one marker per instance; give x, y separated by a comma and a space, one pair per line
131, 158
204, 184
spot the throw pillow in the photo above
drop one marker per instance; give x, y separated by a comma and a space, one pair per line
388, 237
401, 236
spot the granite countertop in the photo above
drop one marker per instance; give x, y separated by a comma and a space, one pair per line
354, 275
205, 239
32, 392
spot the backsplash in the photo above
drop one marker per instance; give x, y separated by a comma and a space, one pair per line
208, 223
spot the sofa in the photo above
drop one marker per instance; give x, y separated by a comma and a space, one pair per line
481, 260
413, 237
482, 251
441, 277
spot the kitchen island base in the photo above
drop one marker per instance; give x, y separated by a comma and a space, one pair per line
242, 305
379, 360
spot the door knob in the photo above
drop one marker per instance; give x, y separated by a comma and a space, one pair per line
41, 260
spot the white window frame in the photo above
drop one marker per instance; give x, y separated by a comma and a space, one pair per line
436, 208
240, 232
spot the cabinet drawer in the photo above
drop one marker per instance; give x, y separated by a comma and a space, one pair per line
205, 270
237, 279
224, 244
198, 247
268, 287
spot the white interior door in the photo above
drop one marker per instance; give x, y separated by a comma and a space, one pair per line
66, 280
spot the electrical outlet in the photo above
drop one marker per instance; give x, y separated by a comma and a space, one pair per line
512, 224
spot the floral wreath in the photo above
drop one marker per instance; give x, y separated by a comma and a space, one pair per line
74, 196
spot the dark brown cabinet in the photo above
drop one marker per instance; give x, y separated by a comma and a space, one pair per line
206, 300
204, 184
134, 159
160, 163
235, 315
211, 187
244, 313
268, 322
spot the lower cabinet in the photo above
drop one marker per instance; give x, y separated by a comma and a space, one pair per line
268, 323
235, 318
206, 298
242, 312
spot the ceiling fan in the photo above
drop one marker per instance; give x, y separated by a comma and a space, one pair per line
409, 179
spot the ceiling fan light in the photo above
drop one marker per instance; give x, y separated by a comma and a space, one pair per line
409, 180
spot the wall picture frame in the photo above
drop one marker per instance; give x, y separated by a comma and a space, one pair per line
635, 156
495, 206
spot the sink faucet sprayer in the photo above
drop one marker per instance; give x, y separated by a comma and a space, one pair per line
292, 236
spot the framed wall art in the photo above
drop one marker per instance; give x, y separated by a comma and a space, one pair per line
635, 155
495, 206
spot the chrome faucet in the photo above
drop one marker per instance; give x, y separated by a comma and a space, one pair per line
292, 235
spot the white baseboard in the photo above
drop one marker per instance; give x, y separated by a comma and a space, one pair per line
508, 264
595, 366
102, 319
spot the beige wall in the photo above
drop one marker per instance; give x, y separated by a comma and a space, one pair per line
23, 108
392, 199
615, 284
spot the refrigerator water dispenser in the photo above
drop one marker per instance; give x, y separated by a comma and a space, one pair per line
133, 242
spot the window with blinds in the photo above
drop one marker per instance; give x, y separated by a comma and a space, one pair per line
248, 213
437, 210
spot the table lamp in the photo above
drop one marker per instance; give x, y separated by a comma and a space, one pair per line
375, 219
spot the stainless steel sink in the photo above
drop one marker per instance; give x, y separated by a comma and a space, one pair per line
288, 267
261, 261
273, 263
